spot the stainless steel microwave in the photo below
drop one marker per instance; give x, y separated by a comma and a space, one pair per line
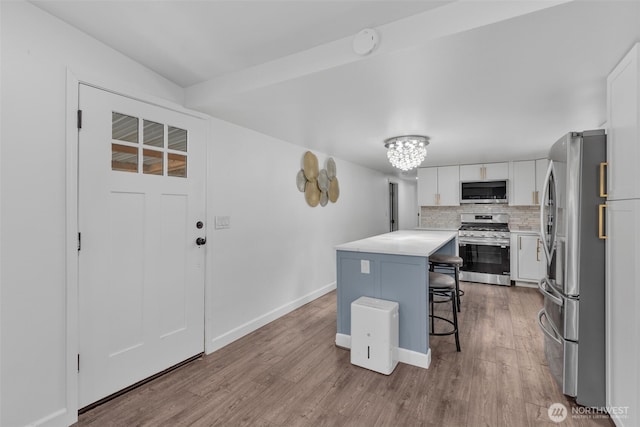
495, 191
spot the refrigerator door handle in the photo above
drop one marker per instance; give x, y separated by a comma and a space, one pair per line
603, 192
601, 234
543, 232
543, 290
553, 334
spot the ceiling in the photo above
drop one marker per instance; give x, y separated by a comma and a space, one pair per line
189, 41
486, 81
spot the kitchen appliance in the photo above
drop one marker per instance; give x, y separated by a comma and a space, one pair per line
484, 191
484, 246
375, 334
573, 316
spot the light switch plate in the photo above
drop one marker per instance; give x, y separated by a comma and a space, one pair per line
222, 222
364, 266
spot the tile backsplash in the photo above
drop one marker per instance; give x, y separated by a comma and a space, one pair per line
520, 217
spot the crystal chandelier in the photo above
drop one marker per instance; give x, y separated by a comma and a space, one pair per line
406, 152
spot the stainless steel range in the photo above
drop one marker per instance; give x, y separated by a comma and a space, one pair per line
484, 244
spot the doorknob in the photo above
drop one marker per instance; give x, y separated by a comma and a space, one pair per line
201, 241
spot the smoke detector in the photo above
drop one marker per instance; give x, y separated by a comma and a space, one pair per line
365, 41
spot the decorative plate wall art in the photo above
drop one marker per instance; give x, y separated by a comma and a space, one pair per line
319, 186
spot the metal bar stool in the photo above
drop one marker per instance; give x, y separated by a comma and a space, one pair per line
442, 285
453, 264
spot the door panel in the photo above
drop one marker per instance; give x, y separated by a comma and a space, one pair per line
172, 264
124, 296
393, 206
141, 275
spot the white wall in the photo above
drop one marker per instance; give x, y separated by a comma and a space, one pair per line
36, 49
278, 252
0, 222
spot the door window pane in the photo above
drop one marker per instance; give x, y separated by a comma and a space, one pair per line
177, 165
124, 158
177, 139
152, 163
124, 128
158, 140
153, 134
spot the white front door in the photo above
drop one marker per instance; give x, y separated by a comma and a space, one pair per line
141, 271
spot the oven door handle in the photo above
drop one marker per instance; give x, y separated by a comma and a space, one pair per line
482, 242
544, 291
553, 334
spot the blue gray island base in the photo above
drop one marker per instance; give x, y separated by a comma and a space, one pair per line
382, 267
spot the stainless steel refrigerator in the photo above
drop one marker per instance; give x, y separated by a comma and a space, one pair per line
573, 316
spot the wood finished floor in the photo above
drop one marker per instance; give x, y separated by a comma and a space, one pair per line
290, 373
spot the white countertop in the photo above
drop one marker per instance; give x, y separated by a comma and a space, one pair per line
404, 242
437, 228
525, 231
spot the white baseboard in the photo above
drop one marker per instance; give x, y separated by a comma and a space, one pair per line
343, 341
526, 284
242, 330
58, 417
409, 357
414, 358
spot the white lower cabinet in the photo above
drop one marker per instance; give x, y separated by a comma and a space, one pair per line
623, 310
528, 264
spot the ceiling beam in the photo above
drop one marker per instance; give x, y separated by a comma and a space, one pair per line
413, 31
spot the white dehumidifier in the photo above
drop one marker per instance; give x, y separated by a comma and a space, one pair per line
374, 334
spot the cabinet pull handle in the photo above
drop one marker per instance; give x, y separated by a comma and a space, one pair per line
537, 200
520, 243
601, 234
533, 197
602, 180
538, 249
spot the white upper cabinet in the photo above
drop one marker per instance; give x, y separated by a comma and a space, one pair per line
427, 186
449, 185
487, 171
439, 186
541, 172
471, 172
526, 182
496, 170
623, 128
523, 183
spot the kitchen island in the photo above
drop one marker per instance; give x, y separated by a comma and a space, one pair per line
394, 267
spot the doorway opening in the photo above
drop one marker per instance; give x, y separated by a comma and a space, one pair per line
393, 206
